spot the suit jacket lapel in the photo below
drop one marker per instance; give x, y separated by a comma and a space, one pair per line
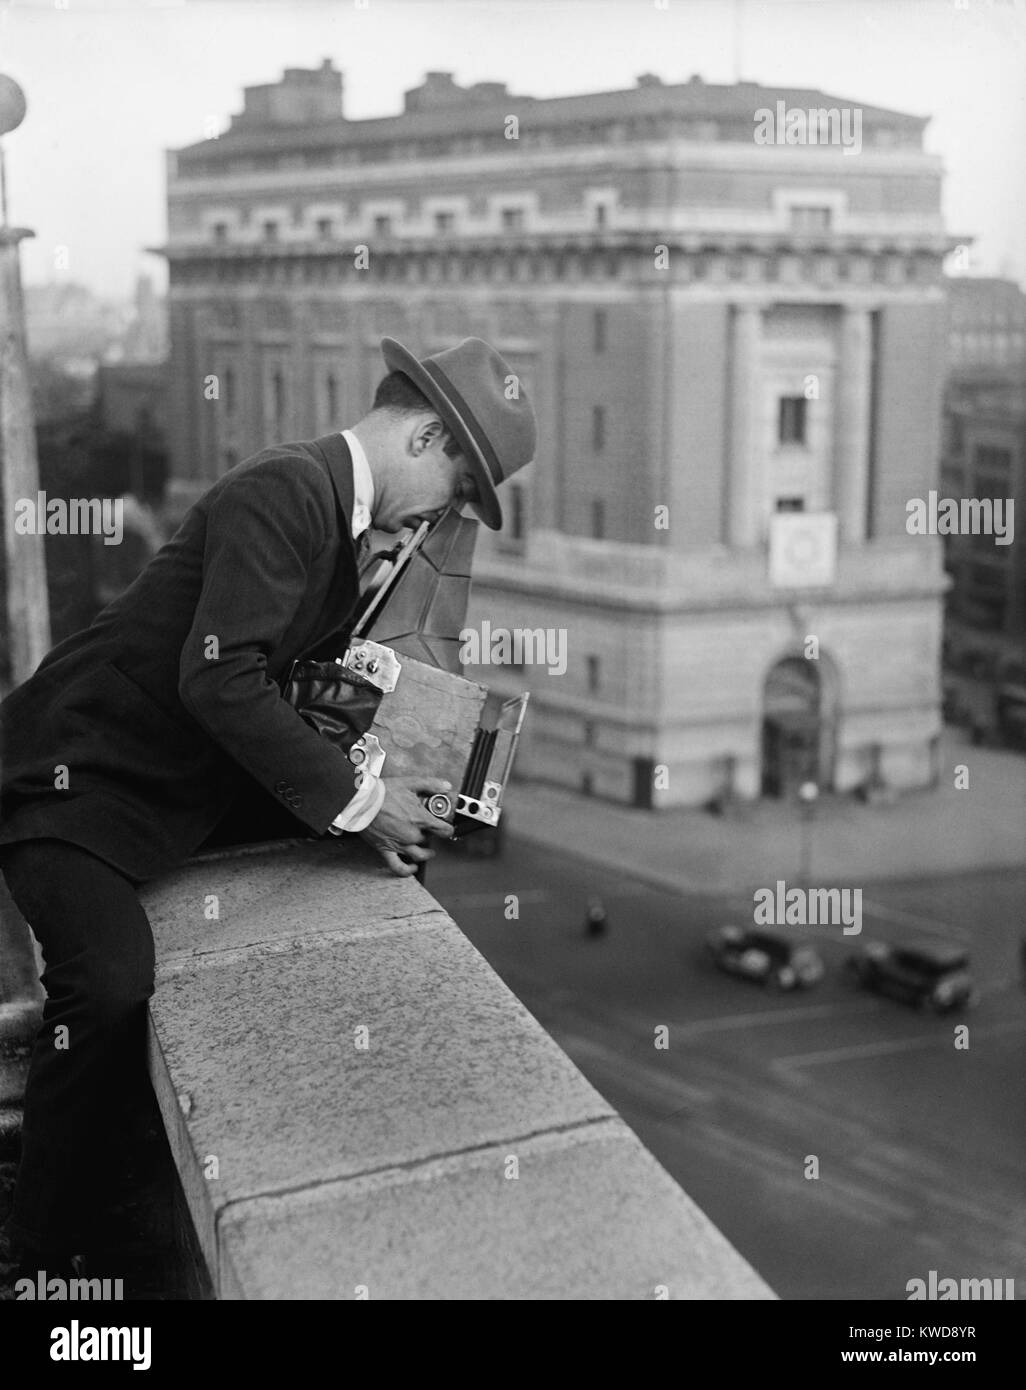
334, 450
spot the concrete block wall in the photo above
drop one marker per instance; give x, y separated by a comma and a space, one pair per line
359, 1108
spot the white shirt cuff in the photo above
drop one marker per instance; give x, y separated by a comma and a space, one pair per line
365, 805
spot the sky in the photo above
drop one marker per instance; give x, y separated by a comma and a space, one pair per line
112, 84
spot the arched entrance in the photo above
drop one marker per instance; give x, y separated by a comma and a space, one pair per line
798, 715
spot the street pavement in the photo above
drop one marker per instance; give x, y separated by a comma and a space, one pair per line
919, 1144
940, 831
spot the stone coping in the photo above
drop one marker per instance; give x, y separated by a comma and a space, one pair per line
358, 1107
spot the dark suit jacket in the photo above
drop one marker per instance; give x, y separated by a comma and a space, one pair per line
168, 705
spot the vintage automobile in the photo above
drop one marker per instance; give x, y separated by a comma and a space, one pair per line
929, 974
766, 956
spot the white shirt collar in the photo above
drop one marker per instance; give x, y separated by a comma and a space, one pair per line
363, 485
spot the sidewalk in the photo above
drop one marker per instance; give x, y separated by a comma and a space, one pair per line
945, 831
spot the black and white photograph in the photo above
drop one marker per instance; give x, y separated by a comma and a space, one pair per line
513, 667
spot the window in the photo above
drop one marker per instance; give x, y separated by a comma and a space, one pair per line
516, 512
220, 232
331, 392
229, 391
445, 221
601, 215
790, 504
324, 227
512, 219
598, 427
988, 577
810, 219
989, 458
270, 231
278, 390
791, 422
594, 668
600, 330
382, 226
598, 519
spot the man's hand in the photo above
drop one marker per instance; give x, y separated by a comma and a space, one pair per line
399, 827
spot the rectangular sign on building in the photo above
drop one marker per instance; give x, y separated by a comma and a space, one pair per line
802, 549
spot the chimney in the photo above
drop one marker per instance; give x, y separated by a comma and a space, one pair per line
304, 96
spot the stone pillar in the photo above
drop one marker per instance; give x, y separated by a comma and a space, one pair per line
744, 488
851, 425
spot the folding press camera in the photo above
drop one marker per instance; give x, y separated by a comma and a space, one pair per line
431, 720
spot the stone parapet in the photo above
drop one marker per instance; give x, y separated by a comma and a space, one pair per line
359, 1107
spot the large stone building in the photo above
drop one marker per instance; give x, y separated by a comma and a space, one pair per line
736, 349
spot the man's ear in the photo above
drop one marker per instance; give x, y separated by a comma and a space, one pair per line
427, 431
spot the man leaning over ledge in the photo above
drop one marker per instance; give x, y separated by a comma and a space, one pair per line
131, 742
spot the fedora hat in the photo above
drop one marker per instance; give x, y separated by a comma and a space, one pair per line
467, 386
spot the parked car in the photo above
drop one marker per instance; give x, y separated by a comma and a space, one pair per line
767, 956
928, 974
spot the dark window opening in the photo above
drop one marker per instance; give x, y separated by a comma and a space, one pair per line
600, 330
598, 520
517, 513
790, 504
791, 420
811, 219
598, 427
593, 675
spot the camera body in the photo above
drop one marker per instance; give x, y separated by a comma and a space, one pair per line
433, 723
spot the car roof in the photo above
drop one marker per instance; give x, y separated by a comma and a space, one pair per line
769, 937
938, 953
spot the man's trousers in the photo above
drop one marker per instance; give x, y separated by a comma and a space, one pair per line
87, 1074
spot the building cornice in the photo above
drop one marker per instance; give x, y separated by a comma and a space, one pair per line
672, 155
